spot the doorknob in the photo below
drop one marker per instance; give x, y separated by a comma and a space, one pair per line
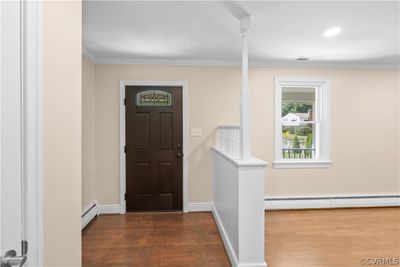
179, 155
10, 259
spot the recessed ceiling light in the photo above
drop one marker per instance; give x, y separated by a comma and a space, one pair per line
332, 32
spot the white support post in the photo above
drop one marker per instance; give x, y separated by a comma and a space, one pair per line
245, 126
238, 204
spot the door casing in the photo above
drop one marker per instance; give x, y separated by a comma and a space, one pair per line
185, 131
32, 130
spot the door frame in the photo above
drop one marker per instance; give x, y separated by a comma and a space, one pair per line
185, 132
32, 129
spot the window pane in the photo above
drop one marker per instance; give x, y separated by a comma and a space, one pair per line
298, 142
299, 129
154, 98
298, 104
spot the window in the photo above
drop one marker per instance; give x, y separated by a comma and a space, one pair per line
302, 122
154, 98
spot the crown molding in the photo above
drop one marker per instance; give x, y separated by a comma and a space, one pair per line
231, 63
223, 63
88, 55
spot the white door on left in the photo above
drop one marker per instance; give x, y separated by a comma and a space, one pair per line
11, 158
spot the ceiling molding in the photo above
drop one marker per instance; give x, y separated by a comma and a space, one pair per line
223, 63
88, 55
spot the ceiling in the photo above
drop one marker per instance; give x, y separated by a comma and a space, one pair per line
207, 32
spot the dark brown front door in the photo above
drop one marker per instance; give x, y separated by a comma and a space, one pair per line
153, 148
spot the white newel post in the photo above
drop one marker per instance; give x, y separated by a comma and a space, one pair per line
245, 126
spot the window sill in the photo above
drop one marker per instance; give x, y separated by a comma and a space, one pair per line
302, 164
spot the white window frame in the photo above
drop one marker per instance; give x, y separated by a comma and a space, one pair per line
322, 86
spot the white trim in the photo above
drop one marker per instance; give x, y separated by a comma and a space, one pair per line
185, 126
323, 91
109, 209
306, 164
230, 63
33, 103
88, 214
88, 55
227, 243
333, 202
200, 206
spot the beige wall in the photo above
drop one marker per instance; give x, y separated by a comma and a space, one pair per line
365, 128
62, 39
364, 135
88, 130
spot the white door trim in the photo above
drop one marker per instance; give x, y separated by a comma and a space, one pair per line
32, 82
185, 125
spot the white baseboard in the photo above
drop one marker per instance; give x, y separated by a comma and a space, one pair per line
88, 214
201, 206
109, 209
332, 202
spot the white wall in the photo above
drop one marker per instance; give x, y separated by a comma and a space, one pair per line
62, 40
88, 132
365, 128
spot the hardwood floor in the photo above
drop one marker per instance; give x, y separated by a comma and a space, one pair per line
306, 238
153, 239
331, 238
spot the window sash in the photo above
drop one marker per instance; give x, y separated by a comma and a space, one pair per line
316, 144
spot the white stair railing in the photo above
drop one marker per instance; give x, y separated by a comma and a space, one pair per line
229, 140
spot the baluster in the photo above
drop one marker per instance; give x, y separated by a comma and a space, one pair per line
229, 142
222, 139
237, 142
225, 141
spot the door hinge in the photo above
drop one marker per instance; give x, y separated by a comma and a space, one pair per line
124, 101
125, 149
125, 196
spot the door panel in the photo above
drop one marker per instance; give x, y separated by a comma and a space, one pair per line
153, 148
143, 181
10, 125
142, 131
165, 133
165, 177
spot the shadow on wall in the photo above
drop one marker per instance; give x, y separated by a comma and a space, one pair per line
196, 156
200, 170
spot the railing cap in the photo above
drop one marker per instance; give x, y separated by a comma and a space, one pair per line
252, 162
228, 127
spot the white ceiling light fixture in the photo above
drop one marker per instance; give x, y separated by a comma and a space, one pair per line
332, 32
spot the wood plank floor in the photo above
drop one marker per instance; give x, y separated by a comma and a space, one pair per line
306, 238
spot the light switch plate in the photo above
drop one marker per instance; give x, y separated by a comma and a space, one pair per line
195, 131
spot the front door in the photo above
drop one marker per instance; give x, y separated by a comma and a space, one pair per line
153, 148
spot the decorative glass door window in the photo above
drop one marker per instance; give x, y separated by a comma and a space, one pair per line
154, 98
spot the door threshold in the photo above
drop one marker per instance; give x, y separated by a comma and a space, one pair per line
156, 212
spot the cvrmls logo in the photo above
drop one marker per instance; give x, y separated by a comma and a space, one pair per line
381, 261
